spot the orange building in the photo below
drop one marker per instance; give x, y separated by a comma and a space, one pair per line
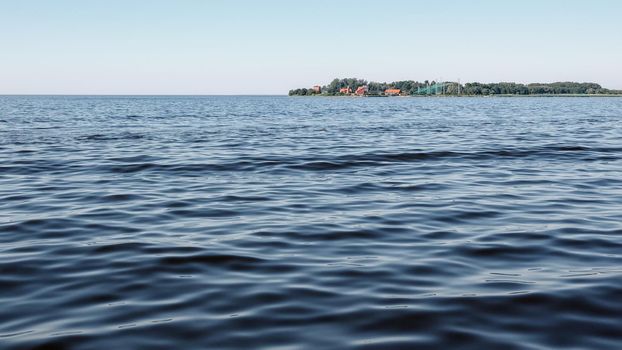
392, 92
345, 90
317, 89
362, 90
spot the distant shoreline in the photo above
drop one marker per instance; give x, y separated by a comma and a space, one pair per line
362, 87
463, 96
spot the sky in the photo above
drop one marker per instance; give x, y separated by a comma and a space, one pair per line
271, 46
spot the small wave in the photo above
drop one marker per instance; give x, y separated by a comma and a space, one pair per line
143, 163
373, 160
111, 137
226, 260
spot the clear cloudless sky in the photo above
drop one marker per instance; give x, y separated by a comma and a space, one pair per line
271, 46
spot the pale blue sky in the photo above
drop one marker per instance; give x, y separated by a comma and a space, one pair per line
270, 46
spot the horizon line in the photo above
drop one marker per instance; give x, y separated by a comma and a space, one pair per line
199, 95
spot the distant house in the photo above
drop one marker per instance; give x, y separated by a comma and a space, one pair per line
362, 90
345, 90
392, 92
317, 89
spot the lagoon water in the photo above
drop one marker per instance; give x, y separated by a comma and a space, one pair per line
310, 223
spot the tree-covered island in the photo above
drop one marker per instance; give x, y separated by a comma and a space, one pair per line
361, 87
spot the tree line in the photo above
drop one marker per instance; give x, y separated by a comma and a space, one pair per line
410, 87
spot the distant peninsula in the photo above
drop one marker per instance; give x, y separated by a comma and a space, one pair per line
361, 87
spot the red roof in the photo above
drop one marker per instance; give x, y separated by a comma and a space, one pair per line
361, 90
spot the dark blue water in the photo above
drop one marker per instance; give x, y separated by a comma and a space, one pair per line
310, 223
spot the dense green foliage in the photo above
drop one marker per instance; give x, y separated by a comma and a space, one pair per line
560, 88
302, 92
332, 89
410, 87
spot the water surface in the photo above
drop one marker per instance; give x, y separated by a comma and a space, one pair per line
310, 223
